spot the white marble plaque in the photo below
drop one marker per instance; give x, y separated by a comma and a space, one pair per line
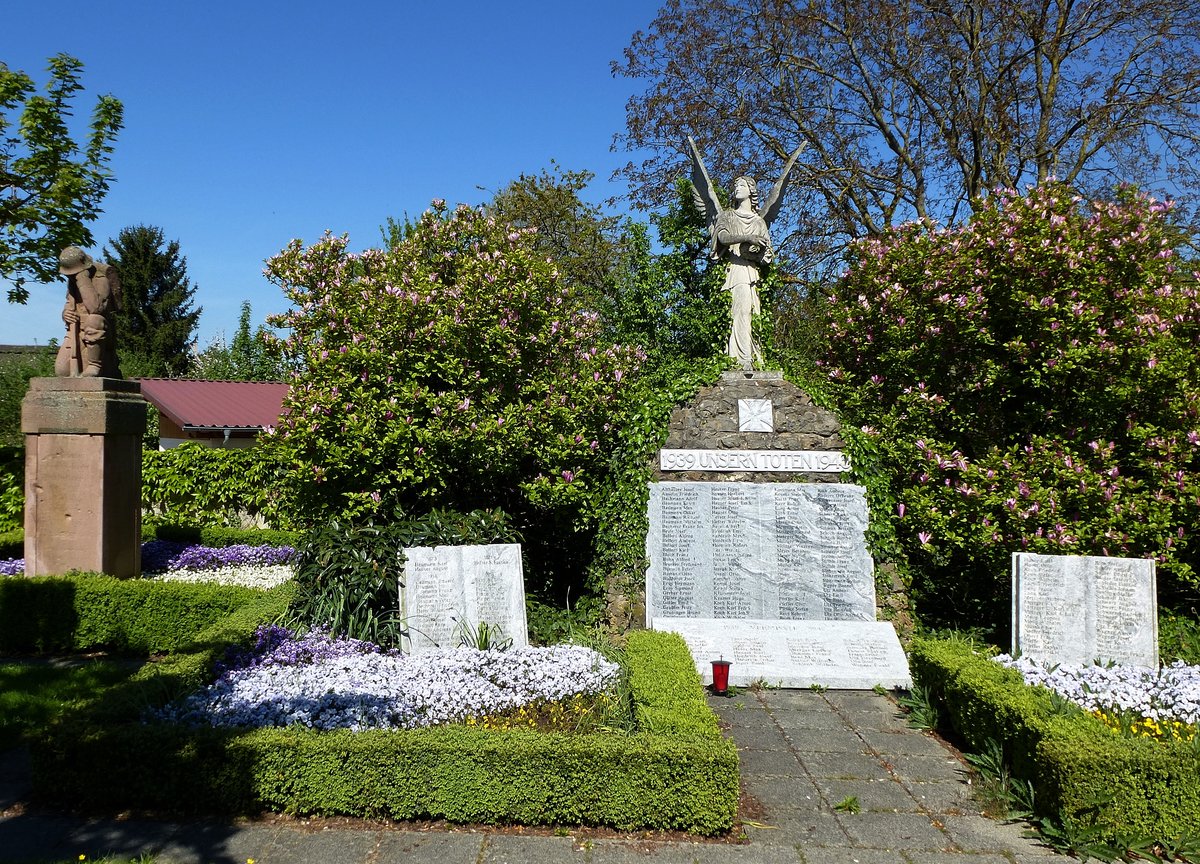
445, 585
756, 415
809, 461
842, 655
1076, 609
786, 551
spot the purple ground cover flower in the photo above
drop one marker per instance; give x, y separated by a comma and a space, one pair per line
12, 566
162, 555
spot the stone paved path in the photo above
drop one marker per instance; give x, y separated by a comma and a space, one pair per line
802, 753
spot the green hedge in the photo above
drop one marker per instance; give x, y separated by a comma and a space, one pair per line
221, 537
84, 611
683, 775
1082, 773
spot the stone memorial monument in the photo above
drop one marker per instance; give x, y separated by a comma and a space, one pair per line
451, 587
83, 440
1076, 609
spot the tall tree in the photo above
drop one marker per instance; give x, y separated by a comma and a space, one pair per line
251, 356
48, 189
155, 319
917, 109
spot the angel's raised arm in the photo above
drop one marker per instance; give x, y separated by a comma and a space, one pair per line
706, 195
773, 201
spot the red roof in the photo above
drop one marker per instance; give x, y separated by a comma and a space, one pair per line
216, 404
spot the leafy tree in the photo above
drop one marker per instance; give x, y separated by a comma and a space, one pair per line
584, 242
1030, 382
155, 319
455, 369
48, 190
249, 357
916, 108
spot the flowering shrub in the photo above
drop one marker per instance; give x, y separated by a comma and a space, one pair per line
1167, 695
12, 567
327, 683
454, 367
1031, 383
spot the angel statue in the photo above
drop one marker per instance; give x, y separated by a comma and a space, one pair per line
740, 235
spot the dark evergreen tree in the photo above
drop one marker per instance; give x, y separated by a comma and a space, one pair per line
156, 321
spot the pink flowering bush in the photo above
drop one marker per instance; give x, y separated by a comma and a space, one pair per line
1029, 382
455, 369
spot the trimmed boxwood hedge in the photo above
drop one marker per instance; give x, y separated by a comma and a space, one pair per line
677, 773
1083, 774
86, 611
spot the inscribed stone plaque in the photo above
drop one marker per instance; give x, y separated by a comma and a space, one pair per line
843, 655
808, 461
756, 415
445, 585
1076, 609
792, 551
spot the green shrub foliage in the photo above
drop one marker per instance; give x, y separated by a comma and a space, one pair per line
12, 488
455, 368
348, 574
1030, 382
201, 486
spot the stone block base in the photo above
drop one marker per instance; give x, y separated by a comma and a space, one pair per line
83, 475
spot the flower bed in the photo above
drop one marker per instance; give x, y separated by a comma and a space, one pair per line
1083, 774
326, 683
676, 772
1168, 695
250, 566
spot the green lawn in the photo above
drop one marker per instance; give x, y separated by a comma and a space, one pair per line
35, 692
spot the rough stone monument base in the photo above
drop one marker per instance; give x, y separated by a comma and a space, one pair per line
83, 475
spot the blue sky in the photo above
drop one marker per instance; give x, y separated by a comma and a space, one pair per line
251, 123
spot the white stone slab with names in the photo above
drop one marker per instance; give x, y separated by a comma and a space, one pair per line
789, 551
445, 585
1076, 609
841, 655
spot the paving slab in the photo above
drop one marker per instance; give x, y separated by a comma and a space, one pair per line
32, 838
948, 797
853, 856
908, 741
843, 766
102, 838
825, 740
783, 793
872, 795
809, 718
799, 829
761, 738
981, 834
927, 857
502, 849
903, 831
216, 843
778, 762
927, 769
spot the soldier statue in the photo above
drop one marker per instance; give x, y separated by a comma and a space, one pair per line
93, 294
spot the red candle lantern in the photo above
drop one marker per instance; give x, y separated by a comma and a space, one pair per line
720, 676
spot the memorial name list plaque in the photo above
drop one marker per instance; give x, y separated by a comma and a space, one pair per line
841, 655
445, 585
772, 551
1076, 609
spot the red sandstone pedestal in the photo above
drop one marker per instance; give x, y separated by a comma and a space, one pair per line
83, 475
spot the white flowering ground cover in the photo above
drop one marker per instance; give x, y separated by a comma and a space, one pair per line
325, 683
1171, 693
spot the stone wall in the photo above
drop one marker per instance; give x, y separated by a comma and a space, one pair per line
711, 421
